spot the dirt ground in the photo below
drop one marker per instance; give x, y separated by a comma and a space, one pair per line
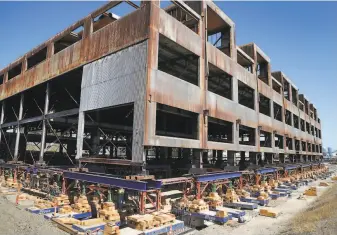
290, 210
15, 220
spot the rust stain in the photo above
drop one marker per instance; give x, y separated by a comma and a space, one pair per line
115, 36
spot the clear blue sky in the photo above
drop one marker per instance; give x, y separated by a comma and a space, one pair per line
299, 37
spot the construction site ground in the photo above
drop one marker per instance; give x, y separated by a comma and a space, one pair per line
297, 216
16, 220
294, 217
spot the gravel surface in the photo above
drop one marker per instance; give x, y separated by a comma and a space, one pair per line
15, 220
259, 225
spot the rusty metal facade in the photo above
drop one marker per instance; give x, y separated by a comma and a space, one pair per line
138, 33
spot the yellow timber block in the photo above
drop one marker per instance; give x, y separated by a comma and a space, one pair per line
268, 213
312, 191
90, 222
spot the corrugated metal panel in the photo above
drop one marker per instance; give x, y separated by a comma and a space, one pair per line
119, 79
116, 79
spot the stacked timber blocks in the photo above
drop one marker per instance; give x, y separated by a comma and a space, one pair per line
141, 222
164, 218
10, 183
82, 205
42, 204
242, 193
214, 200
111, 229
324, 184
61, 200
198, 205
109, 213
231, 196
148, 221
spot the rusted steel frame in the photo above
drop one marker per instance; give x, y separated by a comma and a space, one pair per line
62, 33
131, 4
109, 161
104, 8
204, 188
187, 9
51, 128
152, 63
75, 101
9, 149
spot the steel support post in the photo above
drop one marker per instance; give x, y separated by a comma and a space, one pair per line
198, 191
240, 182
158, 202
14, 176
142, 203
44, 123
18, 132
257, 179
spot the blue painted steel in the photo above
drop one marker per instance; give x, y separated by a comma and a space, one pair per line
290, 167
36, 210
282, 190
243, 205
233, 212
305, 165
84, 229
212, 217
255, 201
274, 196
266, 170
217, 176
154, 184
106, 180
175, 228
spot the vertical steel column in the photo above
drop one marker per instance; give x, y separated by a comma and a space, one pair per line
198, 192
240, 182
45, 111
142, 203
158, 202
2, 117
18, 132
257, 179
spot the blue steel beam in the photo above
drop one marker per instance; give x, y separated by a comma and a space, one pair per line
306, 165
107, 180
266, 170
217, 176
290, 167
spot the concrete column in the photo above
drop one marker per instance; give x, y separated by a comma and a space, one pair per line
79, 136
18, 129
2, 117
44, 123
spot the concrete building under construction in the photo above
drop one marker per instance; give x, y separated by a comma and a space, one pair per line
164, 86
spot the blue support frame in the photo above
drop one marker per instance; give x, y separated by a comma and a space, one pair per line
107, 180
305, 165
217, 176
287, 168
266, 170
